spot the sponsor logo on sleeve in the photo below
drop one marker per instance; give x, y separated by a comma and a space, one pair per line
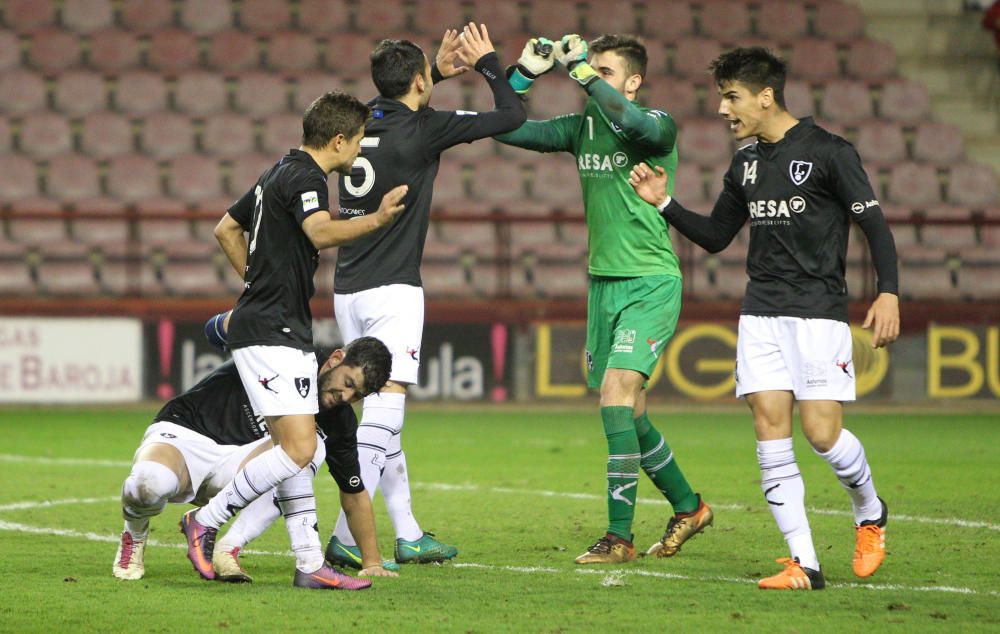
859, 207
466, 112
310, 201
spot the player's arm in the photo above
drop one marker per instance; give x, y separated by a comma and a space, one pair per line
655, 130
361, 520
551, 135
444, 129
230, 231
713, 232
325, 232
854, 190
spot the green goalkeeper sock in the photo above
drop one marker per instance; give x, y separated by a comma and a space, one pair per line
659, 464
623, 468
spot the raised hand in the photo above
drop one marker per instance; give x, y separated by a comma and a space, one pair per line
392, 204
651, 187
537, 58
447, 55
571, 50
475, 43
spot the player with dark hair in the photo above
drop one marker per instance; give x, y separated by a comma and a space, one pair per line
635, 280
377, 288
287, 217
201, 438
800, 187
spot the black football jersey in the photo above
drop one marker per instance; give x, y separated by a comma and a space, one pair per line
799, 195
281, 260
403, 147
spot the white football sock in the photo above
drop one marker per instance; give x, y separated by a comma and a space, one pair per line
785, 493
396, 492
297, 502
145, 493
250, 523
381, 417
256, 478
847, 458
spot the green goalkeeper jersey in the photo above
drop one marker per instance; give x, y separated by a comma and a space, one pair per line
626, 236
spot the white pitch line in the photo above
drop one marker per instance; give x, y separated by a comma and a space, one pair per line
72, 462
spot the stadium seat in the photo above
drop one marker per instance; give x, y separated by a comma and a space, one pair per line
54, 50
10, 51
531, 237
556, 181
198, 279
667, 20
201, 92
233, 51
446, 280
281, 132
18, 179
501, 18
160, 221
673, 95
193, 178
261, 94
206, 16
567, 281
25, 16
881, 142
166, 134
620, 17
45, 134
323, 16
389, 16
262, 16
308, 86
449, 187
228, 135
972, 184
813, 59
927, 281
938, 143
80, 92
782, 20
871, 60
67, 279
145, 16
981, 282
952, 238
846, 101
140, 92
799, 98
172, 50
21, 91
433, 17
498, 181
15, 279
105, 134
72, 177
547, 99
113, 50
692, 54
292, 51
724, 19
689, 186
554, 16
348, 54
914, 184
133, 177
705, 141
838, 20
87, 16
245, 172
904, 100
36, 220
130, 277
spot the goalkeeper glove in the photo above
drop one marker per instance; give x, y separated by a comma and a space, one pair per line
536, 60
573, 55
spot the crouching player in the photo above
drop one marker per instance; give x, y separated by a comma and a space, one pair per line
203, 437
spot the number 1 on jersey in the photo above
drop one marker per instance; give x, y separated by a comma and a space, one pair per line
366, 166
590, 127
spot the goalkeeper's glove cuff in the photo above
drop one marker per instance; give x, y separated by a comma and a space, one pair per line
583, 73
520, 78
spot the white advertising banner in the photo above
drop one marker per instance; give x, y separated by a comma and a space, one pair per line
70, 360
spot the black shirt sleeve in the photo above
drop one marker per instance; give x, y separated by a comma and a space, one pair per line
714, 232
308, 193
242, 209
443, 129
340, 430
854, 191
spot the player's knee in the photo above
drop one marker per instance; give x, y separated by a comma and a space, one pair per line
621, 387
301, 451
822, 437
149, 486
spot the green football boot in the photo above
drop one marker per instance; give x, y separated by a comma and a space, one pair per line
423, 551
340, 554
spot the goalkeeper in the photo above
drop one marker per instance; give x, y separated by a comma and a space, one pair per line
635, 280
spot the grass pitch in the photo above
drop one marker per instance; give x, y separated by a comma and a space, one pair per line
521, 493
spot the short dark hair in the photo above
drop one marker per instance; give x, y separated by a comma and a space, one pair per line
331, 114
629, 47
374, 359
394, 65
755, 67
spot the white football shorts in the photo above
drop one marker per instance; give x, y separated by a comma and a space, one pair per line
280, 381
210, 465
809, 357
395, 315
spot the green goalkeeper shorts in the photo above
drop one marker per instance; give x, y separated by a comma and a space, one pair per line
629, 322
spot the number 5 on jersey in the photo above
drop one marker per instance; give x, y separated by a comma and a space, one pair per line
366, 166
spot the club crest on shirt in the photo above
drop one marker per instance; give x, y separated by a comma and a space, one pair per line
799, 171
302, 384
